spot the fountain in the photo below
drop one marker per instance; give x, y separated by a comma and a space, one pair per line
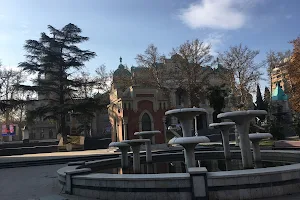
102, 178
135, 146
242, 120
124, 149
188, 142
147, 135
255, 139
224, 127
186, 117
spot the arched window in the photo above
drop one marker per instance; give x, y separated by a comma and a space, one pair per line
146, 122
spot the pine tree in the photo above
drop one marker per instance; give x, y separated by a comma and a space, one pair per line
260, 105
267, 98
55, 56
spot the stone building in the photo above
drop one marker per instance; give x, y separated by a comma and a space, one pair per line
279, 74
135, 106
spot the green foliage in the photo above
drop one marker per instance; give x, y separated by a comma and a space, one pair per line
296, 125
55, 56
260, 104
216, 96
276, 129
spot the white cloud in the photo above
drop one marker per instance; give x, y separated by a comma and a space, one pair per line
215, 40
216, 14
288, 16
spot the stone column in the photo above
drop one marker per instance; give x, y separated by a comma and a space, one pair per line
243, 130
237, 139
226, 145
125, 122
136, 159
173, 105
165, 128
148, 152
256, 151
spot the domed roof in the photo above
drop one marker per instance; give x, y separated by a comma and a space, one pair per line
121, 71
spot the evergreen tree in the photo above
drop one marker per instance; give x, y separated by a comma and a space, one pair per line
216, 97
267, 97
260, 105
55, 56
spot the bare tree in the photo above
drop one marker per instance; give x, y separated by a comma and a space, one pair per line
103, 79
241, 61
153, 60
190, 71
87, 85
8, 92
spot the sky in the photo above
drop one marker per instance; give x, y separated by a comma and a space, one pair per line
126, 27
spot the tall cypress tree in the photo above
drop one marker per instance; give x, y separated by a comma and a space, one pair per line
54, 57
267, 98
260, 105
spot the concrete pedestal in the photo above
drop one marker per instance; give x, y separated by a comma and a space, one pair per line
242, 120
189, 143
124, 152
147, 135
186, 117
255, 139
135, 146
224, 127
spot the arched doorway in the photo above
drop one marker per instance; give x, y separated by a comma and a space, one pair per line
146, 122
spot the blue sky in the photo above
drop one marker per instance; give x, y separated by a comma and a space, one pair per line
126, 27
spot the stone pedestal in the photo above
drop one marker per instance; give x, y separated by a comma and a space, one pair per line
224, 127
255, 139
124, 152
135, 146
186, 117
242, 120
189, 143
147, 135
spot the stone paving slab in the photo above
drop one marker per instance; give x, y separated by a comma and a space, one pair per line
54, 155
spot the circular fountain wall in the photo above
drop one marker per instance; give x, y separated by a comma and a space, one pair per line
83, 180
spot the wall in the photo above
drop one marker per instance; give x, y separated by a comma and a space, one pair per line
134, 119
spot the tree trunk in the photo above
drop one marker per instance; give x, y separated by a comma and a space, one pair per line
63, 128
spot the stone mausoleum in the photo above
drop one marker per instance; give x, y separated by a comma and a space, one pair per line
135, 106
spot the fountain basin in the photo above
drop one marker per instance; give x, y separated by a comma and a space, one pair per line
146, 134
259, 136
230, 185
186, 117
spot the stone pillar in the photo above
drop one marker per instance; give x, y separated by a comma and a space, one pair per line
199, 182
165, 128
148, 152
173, 105
136, 159
243, 130
237, 139
125, 122
256, 151
226, 145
